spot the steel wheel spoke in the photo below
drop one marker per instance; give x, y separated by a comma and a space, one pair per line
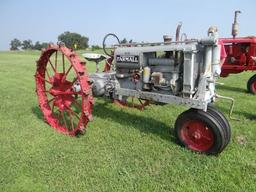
44, 79
64, 120
63, 63
52, 66
66, 74
50, 100
71, 120
56, 60
133, 102
78, 105
48, 75
53, 108
59, 116
47, 91
73, 112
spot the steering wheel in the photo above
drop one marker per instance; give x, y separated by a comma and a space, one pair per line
108, 51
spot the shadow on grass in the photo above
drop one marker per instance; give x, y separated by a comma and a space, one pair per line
247, 115
229, 88
38, 113
144, 124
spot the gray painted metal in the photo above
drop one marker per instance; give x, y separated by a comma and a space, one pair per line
188, 73
163, 98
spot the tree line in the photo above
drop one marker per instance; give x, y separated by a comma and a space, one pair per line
17, 44
71, 40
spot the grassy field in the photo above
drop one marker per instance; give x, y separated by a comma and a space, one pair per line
123, 149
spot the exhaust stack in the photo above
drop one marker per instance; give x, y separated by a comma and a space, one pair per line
178, 32
235, 25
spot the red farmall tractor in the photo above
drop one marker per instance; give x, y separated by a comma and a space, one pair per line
241, 55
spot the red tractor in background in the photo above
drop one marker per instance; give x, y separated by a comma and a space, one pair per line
241, 55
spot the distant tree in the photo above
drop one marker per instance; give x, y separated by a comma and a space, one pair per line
73, 40
27, 44
95, 47
44, 45
40, 46
124, 41
15, 44
37, 46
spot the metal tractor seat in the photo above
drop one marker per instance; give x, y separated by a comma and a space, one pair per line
95, 57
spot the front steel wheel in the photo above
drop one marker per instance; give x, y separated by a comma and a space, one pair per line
63, 90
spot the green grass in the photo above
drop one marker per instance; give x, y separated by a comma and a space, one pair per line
123, 149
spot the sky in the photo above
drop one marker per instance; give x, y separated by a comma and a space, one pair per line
139, 20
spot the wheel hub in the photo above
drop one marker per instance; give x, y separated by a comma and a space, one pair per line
59, 91
197, 135
60, 83
63, 102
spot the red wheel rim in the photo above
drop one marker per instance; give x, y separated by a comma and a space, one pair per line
64, 94
197, 136
253, 87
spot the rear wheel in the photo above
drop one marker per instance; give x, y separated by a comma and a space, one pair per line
251, 84
132, 102
63, 91
201, 131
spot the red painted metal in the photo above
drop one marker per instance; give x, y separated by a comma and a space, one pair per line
253, 87
241, 54
197, 135
108, 64
141, 104
65, 109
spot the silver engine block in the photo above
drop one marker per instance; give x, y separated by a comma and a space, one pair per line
175, 72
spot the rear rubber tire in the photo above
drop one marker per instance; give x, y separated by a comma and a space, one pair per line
251, 85
200, 131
